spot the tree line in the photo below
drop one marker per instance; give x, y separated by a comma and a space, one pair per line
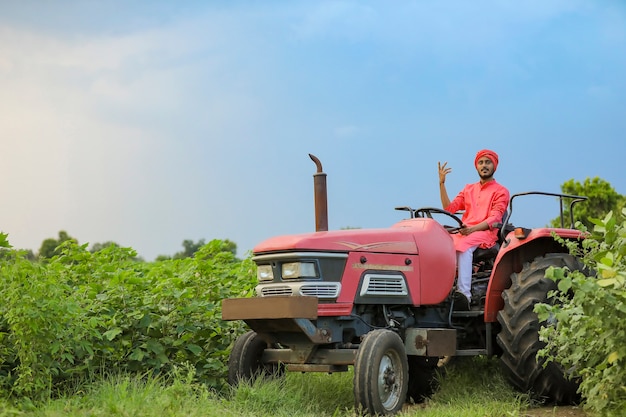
50, 247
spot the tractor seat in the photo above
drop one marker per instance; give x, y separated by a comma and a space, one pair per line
481, 254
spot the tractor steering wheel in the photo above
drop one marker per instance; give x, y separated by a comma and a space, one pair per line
428, 212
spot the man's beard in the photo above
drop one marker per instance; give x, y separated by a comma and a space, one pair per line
485, 175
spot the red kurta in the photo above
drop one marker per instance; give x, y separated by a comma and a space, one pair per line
481, 202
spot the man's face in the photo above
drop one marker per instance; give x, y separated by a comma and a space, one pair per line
484, 166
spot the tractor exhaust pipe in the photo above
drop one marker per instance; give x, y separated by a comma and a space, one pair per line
321, 200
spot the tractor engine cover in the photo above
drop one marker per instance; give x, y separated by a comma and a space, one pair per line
418, 251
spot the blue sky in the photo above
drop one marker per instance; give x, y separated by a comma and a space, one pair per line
151, 122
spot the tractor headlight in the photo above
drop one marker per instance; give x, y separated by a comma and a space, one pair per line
264, 273
294, 270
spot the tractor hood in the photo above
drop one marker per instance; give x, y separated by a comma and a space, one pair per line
403, 237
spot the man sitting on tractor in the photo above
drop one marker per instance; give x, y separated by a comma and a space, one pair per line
484, 204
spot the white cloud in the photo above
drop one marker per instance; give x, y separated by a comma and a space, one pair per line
123, 137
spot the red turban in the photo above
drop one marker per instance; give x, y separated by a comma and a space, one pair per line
489, 154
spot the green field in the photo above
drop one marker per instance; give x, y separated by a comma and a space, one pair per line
469, 388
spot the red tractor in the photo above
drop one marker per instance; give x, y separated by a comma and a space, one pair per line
380, 300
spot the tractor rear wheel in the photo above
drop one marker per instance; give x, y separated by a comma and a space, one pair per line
519, 336
380, 373
244, 362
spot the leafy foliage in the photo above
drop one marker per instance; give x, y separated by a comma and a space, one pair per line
587, 323
190, 248
602, 198
98, 246
80, 313
4, 241
49, 246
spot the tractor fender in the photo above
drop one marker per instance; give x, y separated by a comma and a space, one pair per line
514, 252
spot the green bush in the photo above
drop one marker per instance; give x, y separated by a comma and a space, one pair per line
586, 329
83, 313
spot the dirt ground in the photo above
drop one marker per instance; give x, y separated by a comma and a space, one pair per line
556, 412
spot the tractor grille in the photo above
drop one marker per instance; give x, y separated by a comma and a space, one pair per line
377, 285
273, 291
316, 289
320, 290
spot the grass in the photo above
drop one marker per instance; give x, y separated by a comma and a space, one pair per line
470, 388
473, 387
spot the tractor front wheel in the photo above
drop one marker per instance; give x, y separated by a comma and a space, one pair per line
380, 373
519, 337
244, 362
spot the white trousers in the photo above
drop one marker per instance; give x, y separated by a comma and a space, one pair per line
464, 274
